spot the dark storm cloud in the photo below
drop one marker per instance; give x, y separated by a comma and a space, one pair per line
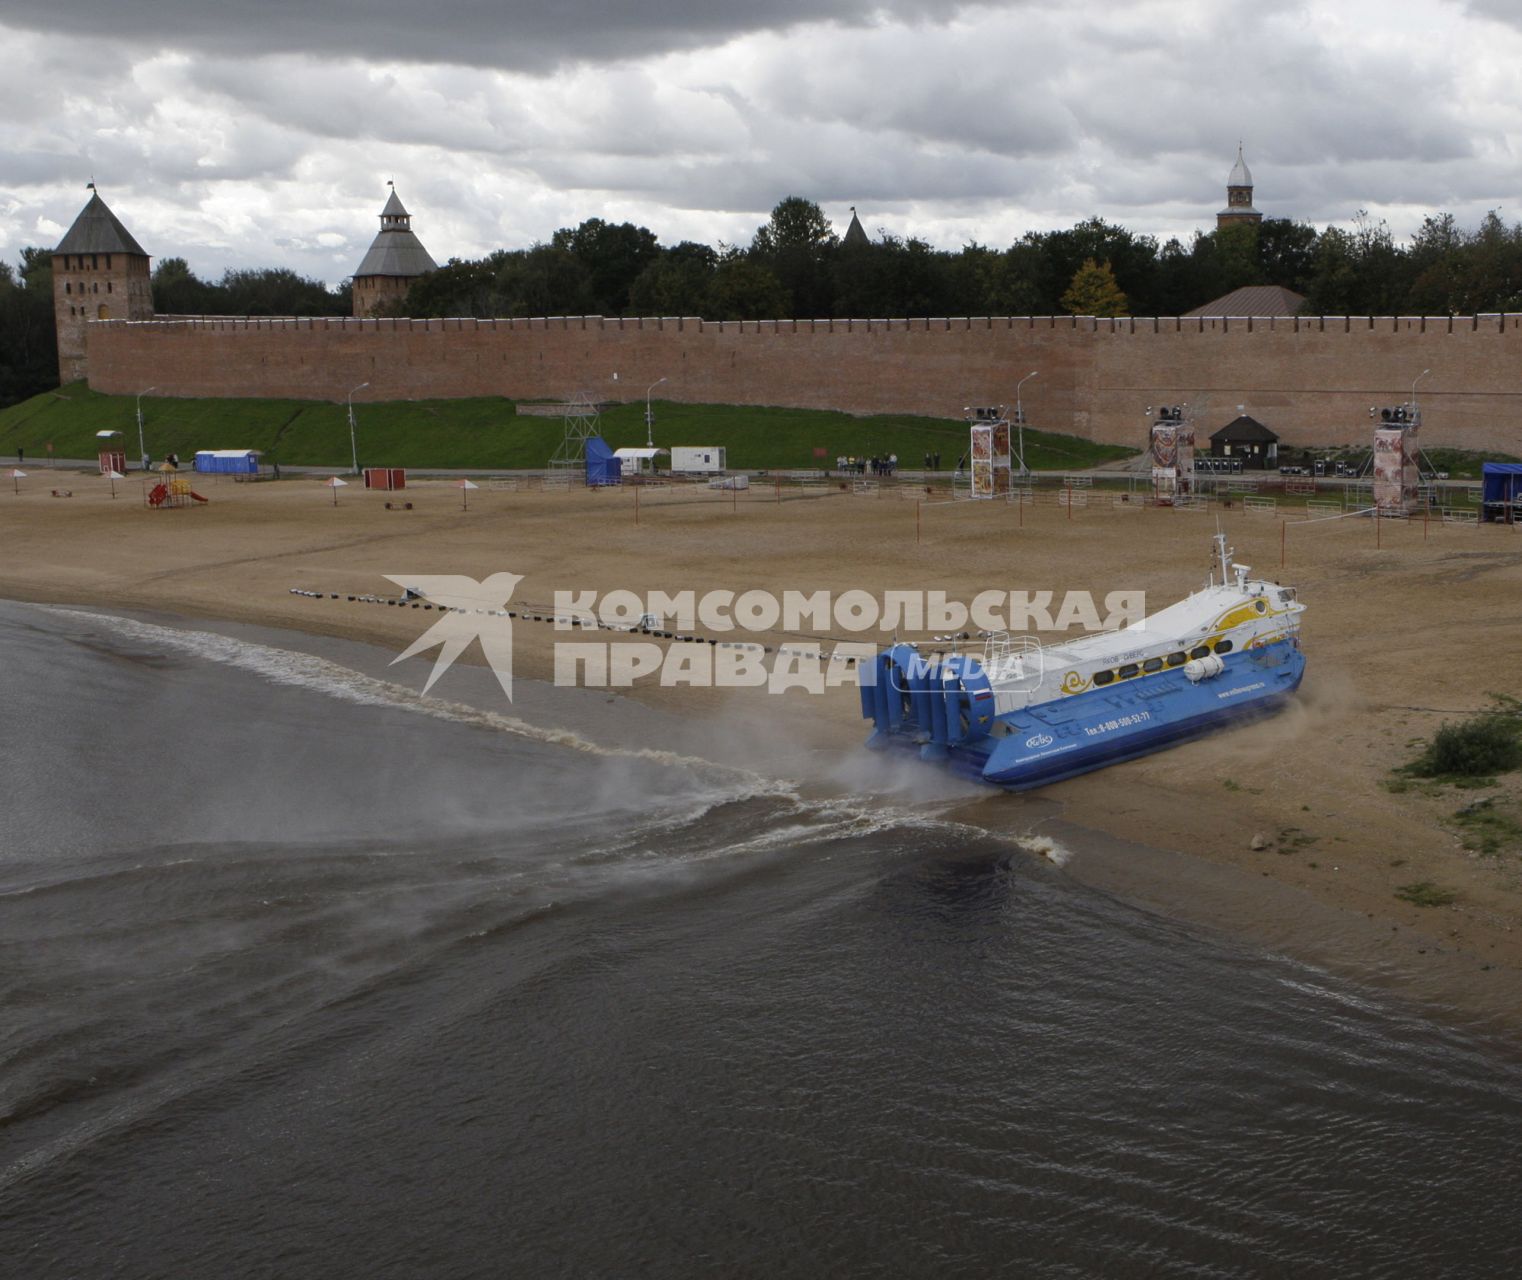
228, 137
517, 35
1499, 10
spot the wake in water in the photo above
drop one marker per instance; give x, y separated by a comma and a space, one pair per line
723, 783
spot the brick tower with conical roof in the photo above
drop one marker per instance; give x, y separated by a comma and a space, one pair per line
396, 258
100, 272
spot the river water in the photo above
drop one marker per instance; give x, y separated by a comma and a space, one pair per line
304, 977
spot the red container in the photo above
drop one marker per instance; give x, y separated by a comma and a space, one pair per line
113, 460
385, 478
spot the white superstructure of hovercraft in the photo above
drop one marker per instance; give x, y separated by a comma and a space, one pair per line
1021, 715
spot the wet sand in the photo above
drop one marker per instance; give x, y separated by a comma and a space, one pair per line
1400, 636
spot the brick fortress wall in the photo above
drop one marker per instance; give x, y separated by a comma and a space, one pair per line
1312, 380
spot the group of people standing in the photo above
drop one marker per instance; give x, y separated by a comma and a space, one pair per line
852, 465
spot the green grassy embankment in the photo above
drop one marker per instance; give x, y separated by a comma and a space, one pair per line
489, 433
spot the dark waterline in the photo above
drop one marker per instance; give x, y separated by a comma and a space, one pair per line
298, 983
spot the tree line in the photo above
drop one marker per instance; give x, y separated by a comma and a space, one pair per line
28, 337
267, 291
796, 266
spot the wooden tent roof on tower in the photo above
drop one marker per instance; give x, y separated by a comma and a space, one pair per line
98, 230
396, 251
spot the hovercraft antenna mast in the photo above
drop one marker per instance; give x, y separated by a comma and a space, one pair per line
1223, 555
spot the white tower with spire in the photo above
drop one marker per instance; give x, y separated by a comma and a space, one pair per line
1238, 196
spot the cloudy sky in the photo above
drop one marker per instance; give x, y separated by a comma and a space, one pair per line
263, 133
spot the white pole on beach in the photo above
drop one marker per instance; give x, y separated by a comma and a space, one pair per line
650, 417
142, 449
353, 446
1020, 419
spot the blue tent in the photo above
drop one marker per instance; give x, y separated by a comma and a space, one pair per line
603, 467
1503, 490
228, 462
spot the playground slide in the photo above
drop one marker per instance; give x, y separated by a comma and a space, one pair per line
160, 493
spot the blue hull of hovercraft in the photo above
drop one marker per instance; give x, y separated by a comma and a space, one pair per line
1082, 732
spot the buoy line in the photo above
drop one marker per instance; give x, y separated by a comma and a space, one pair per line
402, 602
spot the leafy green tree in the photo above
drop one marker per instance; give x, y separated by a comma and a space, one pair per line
461, 287
1492, 272
795, 244
1359, 272
613, 257
1436, 264
28, 335
1333, 280
177, 291
1030, 285
744, 289
274, 291
892, 277
922, 279
676, 283
858, 286
1179, 284
795, 223
548, 280
37, 271
1094, 292
977, 280
1236, 257
1285, 252
1382, 282
1132, 258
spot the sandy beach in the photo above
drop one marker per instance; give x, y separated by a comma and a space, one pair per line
1400, 636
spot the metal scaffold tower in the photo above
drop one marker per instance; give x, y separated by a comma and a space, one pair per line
582, 422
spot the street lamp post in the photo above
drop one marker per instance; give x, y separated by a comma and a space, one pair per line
142, 448
1414, 381
649, 416
1020, 419
353, 445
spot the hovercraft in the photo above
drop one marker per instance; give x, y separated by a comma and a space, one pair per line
1020, 715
